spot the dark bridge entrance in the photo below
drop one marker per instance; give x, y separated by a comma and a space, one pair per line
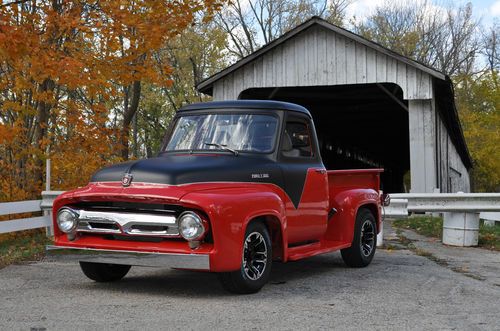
358, 126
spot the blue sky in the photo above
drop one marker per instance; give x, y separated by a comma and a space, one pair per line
487, 10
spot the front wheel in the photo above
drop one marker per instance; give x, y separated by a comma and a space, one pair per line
255, 265
364, 243
104, 272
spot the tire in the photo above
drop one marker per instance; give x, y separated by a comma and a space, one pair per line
257, 253
364, 243
103, 272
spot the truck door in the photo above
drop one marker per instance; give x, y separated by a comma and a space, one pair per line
306, 180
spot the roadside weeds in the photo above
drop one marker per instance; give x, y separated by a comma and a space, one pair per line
23, 246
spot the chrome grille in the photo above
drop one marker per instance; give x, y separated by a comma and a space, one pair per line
128, 223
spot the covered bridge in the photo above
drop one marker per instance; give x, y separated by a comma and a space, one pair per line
372, 107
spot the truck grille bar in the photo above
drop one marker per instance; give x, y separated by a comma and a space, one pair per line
132, 224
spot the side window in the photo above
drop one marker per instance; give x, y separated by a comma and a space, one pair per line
297, 140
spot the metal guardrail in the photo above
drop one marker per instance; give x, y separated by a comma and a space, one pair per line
461, 211
30, 206
487, 204
450, 202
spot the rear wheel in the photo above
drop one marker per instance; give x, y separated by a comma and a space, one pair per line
364, 243
256, 262
104, 272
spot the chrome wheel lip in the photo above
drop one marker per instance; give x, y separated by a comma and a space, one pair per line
254, 256
367, 240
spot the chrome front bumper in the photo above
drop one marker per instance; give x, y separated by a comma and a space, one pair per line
145, 259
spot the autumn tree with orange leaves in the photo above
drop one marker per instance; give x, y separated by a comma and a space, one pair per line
63, 65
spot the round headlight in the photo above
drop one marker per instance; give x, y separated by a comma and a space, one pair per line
67, 220
191, 226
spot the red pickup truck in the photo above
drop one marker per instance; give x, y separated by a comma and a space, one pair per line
236, 186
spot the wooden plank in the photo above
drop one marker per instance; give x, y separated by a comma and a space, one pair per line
350, 57
331, 70
310, 58
381, 67
229, 87
340, 60
248, 81
25, 224
314, 74
296, 63
429, 133
268, 71
392, 70
416, 147
276, 66
218, 93
424, 84
322, 42
411, 79
280, 78
371, 66
401, 78
300, 56
360, 63
290, 64
285, 65
18, 207
257, 72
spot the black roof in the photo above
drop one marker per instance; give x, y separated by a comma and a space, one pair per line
246, 104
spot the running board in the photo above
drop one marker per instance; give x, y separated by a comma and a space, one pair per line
316, 248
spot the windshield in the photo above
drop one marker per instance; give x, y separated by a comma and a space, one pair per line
236, 132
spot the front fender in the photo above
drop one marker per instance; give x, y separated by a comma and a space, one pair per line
229, 211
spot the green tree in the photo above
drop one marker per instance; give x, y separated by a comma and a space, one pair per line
197, 52
478, 102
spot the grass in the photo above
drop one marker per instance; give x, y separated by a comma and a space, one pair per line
425, 225
489, 236
22, 246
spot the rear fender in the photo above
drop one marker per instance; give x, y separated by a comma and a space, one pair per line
230, 210
347, 203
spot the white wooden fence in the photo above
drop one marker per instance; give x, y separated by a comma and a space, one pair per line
30, 206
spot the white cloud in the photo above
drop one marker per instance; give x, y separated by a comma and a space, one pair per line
495, 9
362, 8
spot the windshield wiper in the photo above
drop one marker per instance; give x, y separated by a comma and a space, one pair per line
223, 147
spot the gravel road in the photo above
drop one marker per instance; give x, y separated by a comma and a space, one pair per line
398, 291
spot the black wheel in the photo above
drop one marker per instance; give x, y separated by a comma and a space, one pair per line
364, 243
255, 265
103, 272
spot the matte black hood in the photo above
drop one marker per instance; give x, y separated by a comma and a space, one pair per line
175, 169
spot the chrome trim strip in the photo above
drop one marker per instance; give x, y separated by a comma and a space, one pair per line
144, 259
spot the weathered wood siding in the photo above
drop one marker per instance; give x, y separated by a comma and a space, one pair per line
318, 57
453, 175
422, 118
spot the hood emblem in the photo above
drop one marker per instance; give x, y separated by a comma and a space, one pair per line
127, 180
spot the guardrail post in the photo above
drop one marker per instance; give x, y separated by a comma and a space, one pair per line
48, 198
380, 235
461, 229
